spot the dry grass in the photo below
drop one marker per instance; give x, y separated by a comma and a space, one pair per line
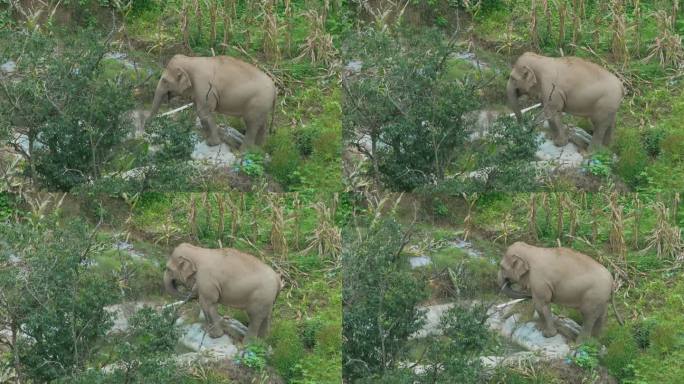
560, 207
318, 46
532, 227
192, 217
665, 237
667, 46
617, 231
229, 12
277, 237
271, 30
326, 237
468, 226
619, 28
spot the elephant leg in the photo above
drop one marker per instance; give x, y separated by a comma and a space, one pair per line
265, 326
591, 316
546, 317
256, 319
610, 130
255, 122
602, 126
212, 317
598, 325
209, 124
559, 133
261, 135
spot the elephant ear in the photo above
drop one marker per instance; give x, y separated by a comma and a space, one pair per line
182, 79
528, 76
186, 268
519, 267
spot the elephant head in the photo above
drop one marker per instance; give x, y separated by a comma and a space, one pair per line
513, 269
522, 81
174, 81
179, 269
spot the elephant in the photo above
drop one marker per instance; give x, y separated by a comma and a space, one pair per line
225, 276
567, 84
562, 276
221, 84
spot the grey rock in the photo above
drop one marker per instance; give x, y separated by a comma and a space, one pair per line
419, 261
8, 67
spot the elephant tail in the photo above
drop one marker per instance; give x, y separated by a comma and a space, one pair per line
617, 315
275, 95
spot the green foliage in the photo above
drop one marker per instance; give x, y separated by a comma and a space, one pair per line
586, 356
600, 164
252, 164
454, 357
76, 119
506, 155
402, 101
55, 295
253, 356
380, 299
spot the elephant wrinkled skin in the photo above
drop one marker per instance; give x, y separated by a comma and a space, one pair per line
561, 276
568, 84
220, 84
225, 276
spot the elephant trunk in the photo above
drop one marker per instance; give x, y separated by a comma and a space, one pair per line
170, 284
512, 95
512, 293
158, 96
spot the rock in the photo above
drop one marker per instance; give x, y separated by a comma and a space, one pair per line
128, 248
470, 58
218, 155
196, 339
580, 137
466, 246
433, 315
551, 156
9, 67
481, 120
526, 334
138, 118
121, 313
121, 58
419, 261
231, 136
354, 66
513, 360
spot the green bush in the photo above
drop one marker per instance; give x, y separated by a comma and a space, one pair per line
288, 350
403, 101
76, 119
380, 299
55, 294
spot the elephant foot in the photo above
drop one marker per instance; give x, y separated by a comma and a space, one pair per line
593, 148
549, 332
213, 141
560, 141
215, 332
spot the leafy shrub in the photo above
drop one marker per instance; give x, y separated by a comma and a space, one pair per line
55, 295
455, 356
253, 356
284, 159
403, 102
143, 355
76, 119
379, 301
288, 350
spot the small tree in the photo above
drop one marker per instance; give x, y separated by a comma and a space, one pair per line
379, 301
51, 298
73, 117
408, 107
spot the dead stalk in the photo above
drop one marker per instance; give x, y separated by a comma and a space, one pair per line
470, 201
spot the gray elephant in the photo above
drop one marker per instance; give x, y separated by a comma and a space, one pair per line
561, 276
568, 84
225, 276
221, 84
